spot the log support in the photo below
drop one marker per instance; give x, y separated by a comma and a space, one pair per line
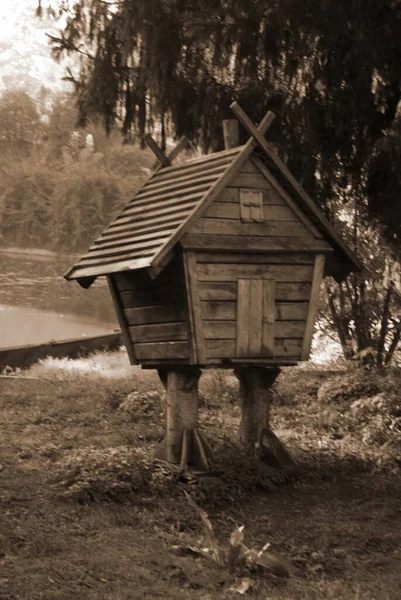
183, 443
254, 432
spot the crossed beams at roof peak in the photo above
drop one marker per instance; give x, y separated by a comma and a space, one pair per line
257, 133
165, 160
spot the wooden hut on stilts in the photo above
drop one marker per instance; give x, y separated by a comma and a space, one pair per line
217, 262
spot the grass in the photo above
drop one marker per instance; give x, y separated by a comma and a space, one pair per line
87, 512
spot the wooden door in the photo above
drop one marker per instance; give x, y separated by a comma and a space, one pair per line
255, 318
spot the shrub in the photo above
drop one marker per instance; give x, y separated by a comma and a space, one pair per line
99, 474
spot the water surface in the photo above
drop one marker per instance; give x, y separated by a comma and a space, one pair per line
37, 304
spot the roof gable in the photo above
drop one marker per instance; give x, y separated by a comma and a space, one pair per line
175, 197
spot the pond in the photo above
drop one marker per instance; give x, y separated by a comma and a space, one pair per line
37, 304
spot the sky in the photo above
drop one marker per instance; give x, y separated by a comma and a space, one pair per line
25, 59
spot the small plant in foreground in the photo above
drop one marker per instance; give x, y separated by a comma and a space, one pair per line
234, 557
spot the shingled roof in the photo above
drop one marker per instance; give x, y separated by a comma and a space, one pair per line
135, 237
154, 221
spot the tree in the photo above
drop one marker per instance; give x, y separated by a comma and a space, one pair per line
21, 127
326, 67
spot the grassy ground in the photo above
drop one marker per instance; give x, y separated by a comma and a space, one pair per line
85, 511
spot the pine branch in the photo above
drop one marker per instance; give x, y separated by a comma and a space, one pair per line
67, 46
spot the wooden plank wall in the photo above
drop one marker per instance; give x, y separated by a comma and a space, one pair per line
156, 314
284, 228
217, 279
282, 249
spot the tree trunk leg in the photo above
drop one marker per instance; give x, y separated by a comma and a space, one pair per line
183, 444
254, 430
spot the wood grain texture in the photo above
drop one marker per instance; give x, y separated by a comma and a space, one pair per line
210, 226
313, 306
211, 291
163, 295
278, 189
161, 351
226, 330
157, 189
194, 308
276, 258
231, 272
215, 190
159, 332
121, 319
226, 311
268, 318
170, 313
226, 349
251, 180
243, 243
256, 318
242, 312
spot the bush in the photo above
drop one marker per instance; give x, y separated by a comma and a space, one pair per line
351, 385
99, 474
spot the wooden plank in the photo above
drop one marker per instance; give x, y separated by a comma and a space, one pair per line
268, 318
290, 202
291, 311
154, 199
121, 319
182, 204
159, 332
163, 295
251, 180
230, 133
255, 317
223, 210
249, 167
279, 213
231, 272
146, 221
194, 168
245, 213
211, 291
237, 228
229, 194
162, 351
225, 349
195, 315
215, 190
226, 311
242, 317
269, 259
78, 272
298, 189
204, 160
157, 151
182, 144
130, 249
270, 196
156, 186
135, 280
201, 241
313, 306
111, 247
226, 330
170, 313
164, 189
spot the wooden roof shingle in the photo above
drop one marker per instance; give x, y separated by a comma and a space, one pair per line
148, 221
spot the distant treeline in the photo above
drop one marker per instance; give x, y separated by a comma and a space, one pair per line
60, 185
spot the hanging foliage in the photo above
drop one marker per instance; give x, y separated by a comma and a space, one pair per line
330, 69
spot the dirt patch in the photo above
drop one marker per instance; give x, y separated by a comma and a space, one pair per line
337, 524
